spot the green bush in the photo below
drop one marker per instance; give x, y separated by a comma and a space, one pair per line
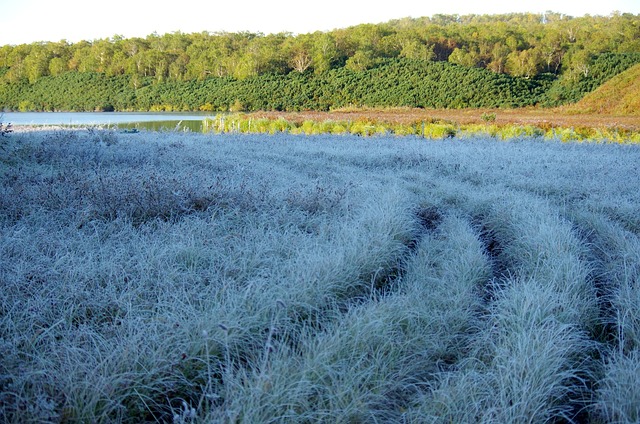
439, 131
394, 82
488, 117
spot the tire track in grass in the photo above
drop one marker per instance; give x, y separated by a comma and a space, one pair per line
532, 361
347, 267
368, 364
616, 256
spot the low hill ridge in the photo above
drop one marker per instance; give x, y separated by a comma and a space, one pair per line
618, 96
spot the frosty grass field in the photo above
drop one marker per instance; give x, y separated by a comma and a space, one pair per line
249, 278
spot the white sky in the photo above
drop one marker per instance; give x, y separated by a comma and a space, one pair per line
26, 21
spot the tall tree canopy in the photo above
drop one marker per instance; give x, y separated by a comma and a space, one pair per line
517, 44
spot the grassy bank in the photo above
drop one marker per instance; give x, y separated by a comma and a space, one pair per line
619, 95
206, 278
431, 128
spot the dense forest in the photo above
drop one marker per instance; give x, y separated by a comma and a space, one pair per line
441, 61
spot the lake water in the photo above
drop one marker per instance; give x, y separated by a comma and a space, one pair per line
190, 121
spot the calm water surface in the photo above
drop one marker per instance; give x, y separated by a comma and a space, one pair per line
190, 121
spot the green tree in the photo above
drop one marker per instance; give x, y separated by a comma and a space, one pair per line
552, 48
178, 67
360, 61
415, 48
118, 64
60, 53
57, 66
133, 49
464, 58
324, 52
5, 51
269, 53
498, 58
16, 60
102, 52
299, 52
205, 56
36, 63
83, 59
579, 62
526, 63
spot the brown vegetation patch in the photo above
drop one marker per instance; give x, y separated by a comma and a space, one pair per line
543, 118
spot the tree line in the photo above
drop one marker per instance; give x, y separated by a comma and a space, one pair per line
516, 44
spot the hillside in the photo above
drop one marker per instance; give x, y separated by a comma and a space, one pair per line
446, 61
394, 82
618, 96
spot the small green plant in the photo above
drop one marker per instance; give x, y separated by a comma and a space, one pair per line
488, 117
237, 106
437, 131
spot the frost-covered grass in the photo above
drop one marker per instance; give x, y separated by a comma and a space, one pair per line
253, 278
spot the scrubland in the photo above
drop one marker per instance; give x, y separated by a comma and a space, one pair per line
253, 278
